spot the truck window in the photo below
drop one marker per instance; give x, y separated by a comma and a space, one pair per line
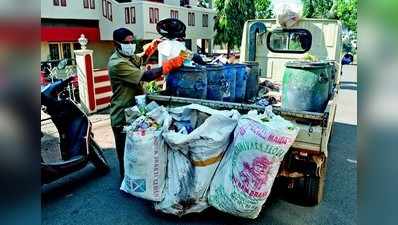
289, 40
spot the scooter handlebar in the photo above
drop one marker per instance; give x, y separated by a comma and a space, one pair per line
49, 94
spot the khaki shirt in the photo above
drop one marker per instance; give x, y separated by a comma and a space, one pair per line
125, 75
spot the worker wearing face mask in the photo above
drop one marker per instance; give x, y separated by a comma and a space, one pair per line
126, 70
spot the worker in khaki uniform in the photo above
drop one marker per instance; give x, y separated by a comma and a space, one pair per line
126, 70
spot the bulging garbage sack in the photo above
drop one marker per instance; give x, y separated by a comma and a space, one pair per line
197, 142
246, 174
287, 12
145, 156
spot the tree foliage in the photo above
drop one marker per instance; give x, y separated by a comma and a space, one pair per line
263, 9
347, 12
220, 23
317, 8
344, 10
230, 19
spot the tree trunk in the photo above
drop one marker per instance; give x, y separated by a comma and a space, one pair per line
228, 50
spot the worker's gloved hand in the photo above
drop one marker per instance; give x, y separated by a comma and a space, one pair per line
151, 47
173, 64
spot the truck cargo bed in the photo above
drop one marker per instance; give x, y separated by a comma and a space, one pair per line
315, 128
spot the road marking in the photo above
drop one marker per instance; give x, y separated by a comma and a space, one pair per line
352, 161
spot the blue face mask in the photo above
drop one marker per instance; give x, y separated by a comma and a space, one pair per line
127, 49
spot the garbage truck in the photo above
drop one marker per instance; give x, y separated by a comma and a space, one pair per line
278, 50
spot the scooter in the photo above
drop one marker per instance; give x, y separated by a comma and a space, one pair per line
77, 144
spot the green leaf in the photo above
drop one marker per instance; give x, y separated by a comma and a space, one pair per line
230, 19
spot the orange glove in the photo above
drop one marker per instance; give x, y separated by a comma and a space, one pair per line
151, 47
173, 64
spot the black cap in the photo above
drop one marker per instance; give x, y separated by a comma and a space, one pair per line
120, 34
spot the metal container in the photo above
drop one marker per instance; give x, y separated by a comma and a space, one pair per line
305, 86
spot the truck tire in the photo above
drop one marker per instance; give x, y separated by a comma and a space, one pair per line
97, 157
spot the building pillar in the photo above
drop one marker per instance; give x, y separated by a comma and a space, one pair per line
94, 87
85, 73
194, 46
210, 44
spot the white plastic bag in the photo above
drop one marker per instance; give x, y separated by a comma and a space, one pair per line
287, 12
145, 158
169, 49
199, 152
246, 174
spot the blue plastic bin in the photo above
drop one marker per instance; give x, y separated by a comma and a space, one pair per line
241, 78
190, 82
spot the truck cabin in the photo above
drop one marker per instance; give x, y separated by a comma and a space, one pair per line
271, 45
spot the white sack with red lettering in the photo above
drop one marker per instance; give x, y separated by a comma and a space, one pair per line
246, 174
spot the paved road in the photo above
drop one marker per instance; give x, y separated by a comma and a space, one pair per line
87, 198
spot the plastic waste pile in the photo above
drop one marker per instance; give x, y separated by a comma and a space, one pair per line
143, 123
221, 59
268, 94
132, 113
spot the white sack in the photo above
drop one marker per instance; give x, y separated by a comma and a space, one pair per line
245, 176
202, 150
145, 159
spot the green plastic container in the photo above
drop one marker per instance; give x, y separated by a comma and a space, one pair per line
306, 86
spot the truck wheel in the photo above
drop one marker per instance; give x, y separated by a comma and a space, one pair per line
97, 157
